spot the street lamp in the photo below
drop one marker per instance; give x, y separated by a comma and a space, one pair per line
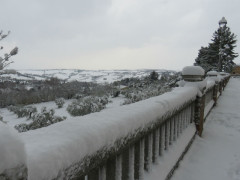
222, 23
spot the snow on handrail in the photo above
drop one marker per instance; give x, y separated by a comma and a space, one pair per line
54, 148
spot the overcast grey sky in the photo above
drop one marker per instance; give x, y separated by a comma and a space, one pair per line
113, 34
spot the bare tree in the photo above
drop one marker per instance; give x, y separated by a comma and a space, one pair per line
5, 60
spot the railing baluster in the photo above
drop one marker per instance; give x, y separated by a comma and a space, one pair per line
162, 142
189, 114
171, 130
118, 173
128, 164
192, 112
139, 160
148, 152
185, 117
111, 169
156, 145
180, 123
131, 163
175, 127
102, 173
93, 175
82, 178
167, 133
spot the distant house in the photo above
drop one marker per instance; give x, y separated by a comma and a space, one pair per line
236, 69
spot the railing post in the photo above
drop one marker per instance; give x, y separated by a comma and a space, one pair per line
215, 93
220, 87
213, 75
194, 76
199, 114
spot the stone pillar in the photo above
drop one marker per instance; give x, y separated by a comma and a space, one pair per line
213, 75
194, 76
199, 114
215, 93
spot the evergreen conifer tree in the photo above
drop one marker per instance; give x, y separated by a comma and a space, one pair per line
221, 47
154, 75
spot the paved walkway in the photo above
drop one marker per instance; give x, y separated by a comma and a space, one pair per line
216, 156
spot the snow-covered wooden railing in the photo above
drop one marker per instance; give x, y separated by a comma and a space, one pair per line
121, 143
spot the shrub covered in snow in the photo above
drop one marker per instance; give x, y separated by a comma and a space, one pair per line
26, 111
134, 95
78, 96
59, 102
43, 119
87, 105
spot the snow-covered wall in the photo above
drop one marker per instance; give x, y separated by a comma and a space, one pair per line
57, 147
12, 153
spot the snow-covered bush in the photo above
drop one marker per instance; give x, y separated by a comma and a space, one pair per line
77, 96
26, 111
22, 127
59, 102
87, 105
12, 108
43, 119
134, 95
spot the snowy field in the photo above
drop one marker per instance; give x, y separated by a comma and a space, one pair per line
99, 76
216, 156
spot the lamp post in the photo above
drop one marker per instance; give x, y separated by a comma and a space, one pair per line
222, 23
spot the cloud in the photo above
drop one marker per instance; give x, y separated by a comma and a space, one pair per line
112, 33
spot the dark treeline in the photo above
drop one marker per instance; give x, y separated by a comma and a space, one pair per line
30, 92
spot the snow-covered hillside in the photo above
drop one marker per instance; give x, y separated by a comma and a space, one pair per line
98, 76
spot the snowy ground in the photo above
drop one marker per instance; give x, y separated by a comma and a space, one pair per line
11, 119
216, 156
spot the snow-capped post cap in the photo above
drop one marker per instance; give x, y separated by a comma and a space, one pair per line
193, 73
223, 74
212, 73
